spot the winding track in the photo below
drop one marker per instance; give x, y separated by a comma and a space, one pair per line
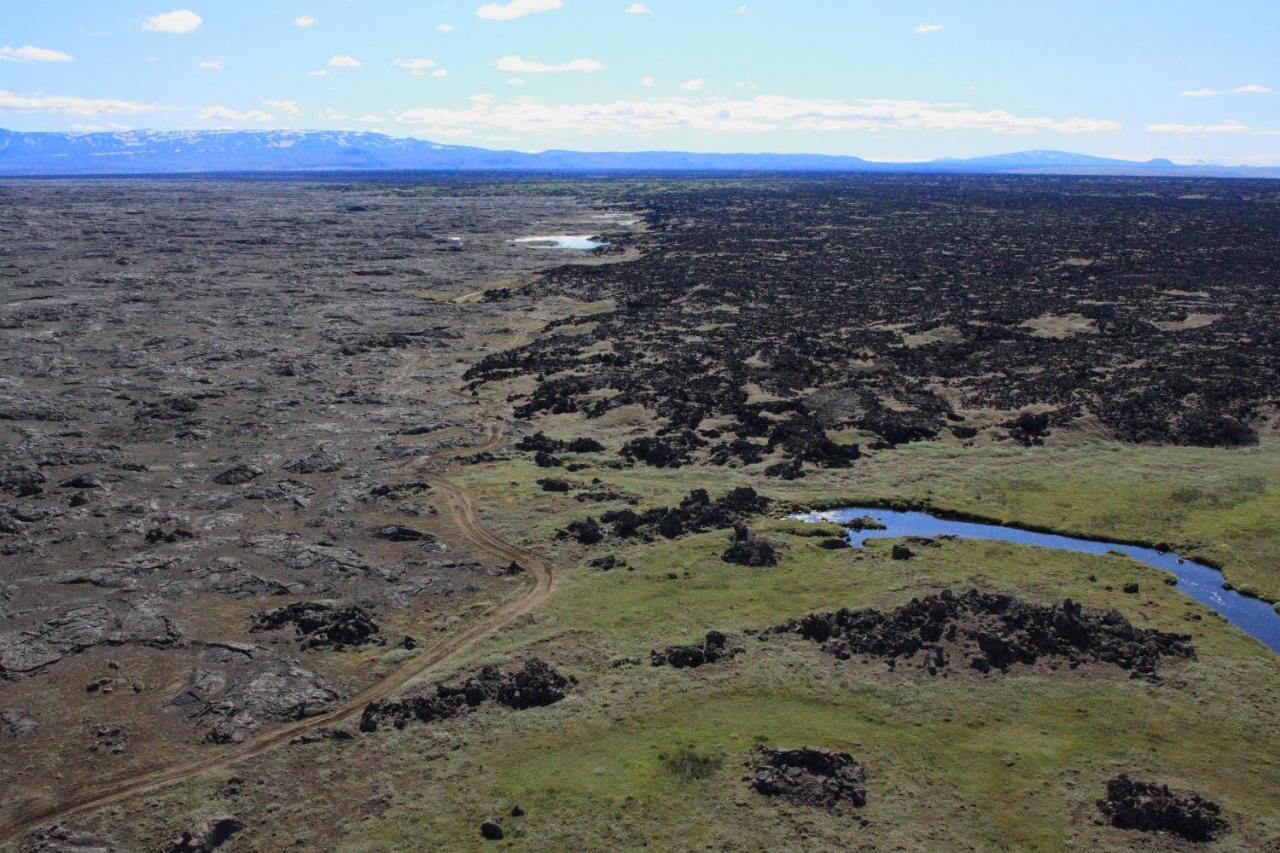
540, 582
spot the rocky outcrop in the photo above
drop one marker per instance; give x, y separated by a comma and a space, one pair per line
321, 625
810, 776
237, 688
110, 623
1152, 807
205, 836
747, 549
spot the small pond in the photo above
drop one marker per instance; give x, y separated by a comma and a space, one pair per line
1256, 618
561, 241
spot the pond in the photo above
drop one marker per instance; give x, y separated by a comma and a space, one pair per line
1256, 618
561, 241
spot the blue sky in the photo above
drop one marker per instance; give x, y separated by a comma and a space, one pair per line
1185, 79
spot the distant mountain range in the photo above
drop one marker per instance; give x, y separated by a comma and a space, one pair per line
149, 152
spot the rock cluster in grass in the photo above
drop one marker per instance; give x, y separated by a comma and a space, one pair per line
1152, 807
989, 631
748, 549
695, 513
712, 650
810, 776
535, 684
541, 443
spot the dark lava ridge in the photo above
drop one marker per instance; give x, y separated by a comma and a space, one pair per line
535, 684
991, 631
321, 625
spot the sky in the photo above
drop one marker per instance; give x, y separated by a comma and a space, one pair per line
1185, 79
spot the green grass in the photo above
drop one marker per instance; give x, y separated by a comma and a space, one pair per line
1006, 763
639, 756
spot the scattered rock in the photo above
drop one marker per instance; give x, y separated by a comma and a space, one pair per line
586, 531
17, 723
551, 484
318, 461
864, 522
205, 836
238, 474
400, 533
62, 839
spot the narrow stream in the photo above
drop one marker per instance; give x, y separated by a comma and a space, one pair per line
1256, 618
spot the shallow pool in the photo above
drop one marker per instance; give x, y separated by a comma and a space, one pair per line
1256, 618
562, 241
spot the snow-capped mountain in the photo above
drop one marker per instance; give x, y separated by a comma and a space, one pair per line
215, 151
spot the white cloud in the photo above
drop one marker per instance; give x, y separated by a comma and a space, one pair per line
370, 118
68, 105
417, 67
928, 28
181, 21
530, 115
1198, 93
31, 53
647, 82
440, 72
1253, 89
693, 85
517, 81
228, 114
320, 73
742, 10
1179, 129
445, 28
343, 61
516, 9
638, 9
519, 65
304, 21
211, 65
289, 108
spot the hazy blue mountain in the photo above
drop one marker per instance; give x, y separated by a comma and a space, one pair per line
161, 152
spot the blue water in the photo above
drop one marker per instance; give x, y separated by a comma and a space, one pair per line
563, 241
1256, 618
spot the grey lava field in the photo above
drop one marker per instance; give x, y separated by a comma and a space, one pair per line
333, 517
